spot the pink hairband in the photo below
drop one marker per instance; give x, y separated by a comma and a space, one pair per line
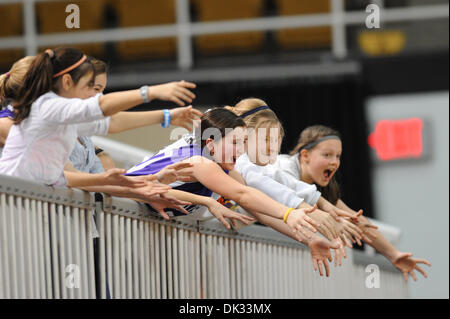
70, 68
7, 74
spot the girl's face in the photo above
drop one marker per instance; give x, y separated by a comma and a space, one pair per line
321, 163
264, 145
227, 150
100, 83
83, 89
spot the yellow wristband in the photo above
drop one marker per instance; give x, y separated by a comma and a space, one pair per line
287, 214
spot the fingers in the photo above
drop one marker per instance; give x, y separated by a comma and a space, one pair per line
422, 261
421, 271
224, 222
177, 100
335, 216
413, 275
161, 211
186, 84
405, 276
310, 209
307, 225
315, 264
326, 232
184, 94
320, 267
312, 222
197, 112
304, 232
327, 268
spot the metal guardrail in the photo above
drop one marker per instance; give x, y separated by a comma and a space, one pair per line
47, 251
184, 29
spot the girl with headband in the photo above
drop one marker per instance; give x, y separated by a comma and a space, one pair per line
213, 150
54, 107
315, 160
83, 158
264, 140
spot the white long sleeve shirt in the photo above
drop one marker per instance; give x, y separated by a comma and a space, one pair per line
40, 145
276, 184
289, 164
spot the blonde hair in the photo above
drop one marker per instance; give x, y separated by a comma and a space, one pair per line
257, 119
11, 81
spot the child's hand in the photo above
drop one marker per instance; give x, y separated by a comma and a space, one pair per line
407, 265
299, 221
171, 173
149, 190
328, 225
115, 176
339, 252
163, 201
176, 92
221, 212
185, 116
352, 232
320, 253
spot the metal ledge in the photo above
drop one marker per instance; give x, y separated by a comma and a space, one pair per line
66, 196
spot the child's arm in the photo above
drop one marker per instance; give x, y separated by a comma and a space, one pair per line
213, 177
402, 261
182, 116
76, 111
112, 177
177, 92
217, 210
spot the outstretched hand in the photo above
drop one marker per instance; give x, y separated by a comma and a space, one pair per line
299, 220
175, 172
164, 201
407, 265
185, 116
176, 92
221, 212
321, 254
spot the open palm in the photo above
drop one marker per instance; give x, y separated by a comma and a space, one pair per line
407, 265
321, 254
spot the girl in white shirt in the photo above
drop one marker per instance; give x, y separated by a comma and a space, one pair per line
54, 108
315, 160
264, 141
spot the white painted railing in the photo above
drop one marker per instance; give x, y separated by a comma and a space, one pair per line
47, 251
184, 29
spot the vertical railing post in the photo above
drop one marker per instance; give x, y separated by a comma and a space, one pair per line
339, 38
29, 20
184, 50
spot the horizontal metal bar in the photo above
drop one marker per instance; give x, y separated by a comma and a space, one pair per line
260, 72
59, 195
203, 28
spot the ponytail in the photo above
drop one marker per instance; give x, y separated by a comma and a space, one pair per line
44, 74
37, 82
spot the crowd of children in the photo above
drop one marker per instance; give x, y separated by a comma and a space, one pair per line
53, 103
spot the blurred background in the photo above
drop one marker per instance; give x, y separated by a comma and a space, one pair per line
313, 62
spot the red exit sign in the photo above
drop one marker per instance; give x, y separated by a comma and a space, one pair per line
397, 139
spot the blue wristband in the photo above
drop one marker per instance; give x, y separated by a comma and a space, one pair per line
166, 122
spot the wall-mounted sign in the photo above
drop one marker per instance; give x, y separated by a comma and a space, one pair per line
397, 139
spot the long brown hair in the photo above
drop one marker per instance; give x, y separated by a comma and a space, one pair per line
310, 135
39, 79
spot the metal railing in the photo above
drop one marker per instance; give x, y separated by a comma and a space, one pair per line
47, 251
185, 29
